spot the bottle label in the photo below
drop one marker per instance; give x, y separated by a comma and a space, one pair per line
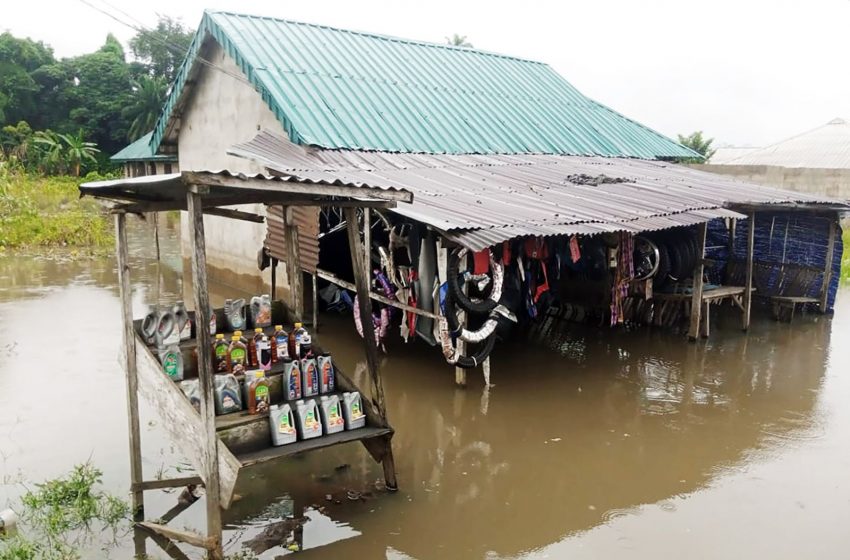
327, 376
261, 393
282, 348
237, 356
221, 351
169, 364
310, 421
284, 427
334, 417
294, 383
356, 412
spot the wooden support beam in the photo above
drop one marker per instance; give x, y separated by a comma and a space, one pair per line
131, 373
460, 373
315, 302
284, 187
293, 264
699, 270
361, 278
167, 545
167, 483
236, 215
748, 288
197, 242
334, 279
188, 537
274, 279
827, 268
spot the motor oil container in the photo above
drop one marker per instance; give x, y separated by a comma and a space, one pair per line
307, 419
331, 410
252, 346
192, 389
295, 336
306, 344
259, 397
352, 410
327, 377
227, 394
237, 356
282, 424
213, 322
309, 377
264, 353
219, 354
291, 379
183, 323
166, 328
149, 324
8, 523
172, 361
261, 310
281, 343
234, 313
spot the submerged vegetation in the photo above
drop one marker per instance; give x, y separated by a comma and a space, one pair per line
60, 517
845, 256
38, 213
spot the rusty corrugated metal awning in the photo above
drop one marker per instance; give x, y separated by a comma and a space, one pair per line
479, 200
306, 219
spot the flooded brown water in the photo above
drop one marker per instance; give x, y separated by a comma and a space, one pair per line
591, 444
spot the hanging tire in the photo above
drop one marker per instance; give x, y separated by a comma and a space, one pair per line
662, 274
464, 362
492, 293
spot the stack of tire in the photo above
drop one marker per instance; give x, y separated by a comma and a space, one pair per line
479, 307
678, 251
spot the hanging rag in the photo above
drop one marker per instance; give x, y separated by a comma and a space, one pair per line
575, 252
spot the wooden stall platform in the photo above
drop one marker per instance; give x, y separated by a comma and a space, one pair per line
710, 295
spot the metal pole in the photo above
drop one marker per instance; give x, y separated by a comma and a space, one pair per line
827, 267
205, 372
748, 289
696, 300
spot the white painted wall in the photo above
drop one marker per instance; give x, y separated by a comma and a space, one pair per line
223, 111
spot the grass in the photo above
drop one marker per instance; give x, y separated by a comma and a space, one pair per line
61, 516
38, 213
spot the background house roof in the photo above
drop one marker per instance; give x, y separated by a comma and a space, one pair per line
342, 89
724, 155
826, 147
141, 150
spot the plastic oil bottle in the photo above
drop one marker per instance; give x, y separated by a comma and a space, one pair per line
352, 408
327, 378
295, 337
281, 344
237, 356
227, 395
172, 361
259, 397
181, 318
252, 346
292, 379
264, 353
307, 419
310, 377
219, 354
332, 420
261, 310
282, 424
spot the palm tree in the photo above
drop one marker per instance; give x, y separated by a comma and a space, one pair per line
458, 41
50, 159
77, 150
148, 97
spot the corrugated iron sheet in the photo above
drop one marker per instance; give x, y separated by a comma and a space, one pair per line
479, 200
826, 147
342, 89
306, 218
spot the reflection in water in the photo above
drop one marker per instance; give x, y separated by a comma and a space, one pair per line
580, 429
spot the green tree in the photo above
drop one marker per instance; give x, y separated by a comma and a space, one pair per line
162, 48
699, 144
19, 90
100, 92
77, 151
146, 104
458, 41
49, 157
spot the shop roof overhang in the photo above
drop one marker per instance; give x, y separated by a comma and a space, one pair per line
479, 200
157, 193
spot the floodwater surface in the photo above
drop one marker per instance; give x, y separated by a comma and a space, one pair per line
591, 443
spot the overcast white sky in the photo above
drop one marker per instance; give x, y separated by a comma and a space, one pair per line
747, 72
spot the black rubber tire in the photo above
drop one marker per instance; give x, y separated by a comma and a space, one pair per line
662, 275
468, 362
480, 307
678, 260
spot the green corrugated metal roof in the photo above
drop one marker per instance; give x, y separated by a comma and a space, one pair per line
141, 150
343, 89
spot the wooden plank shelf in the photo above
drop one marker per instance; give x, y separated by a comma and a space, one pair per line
245, 437
269, 454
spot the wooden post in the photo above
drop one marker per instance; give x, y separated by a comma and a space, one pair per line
460, 373
136, 474
205, 372
748, 289
696, 299
274, 278
315, 302
361, 281
293, 264
827, 267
